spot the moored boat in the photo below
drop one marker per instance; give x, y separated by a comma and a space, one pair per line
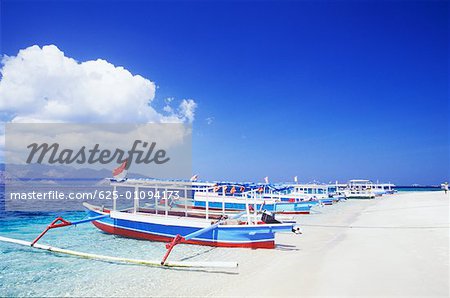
359, 189
312, 193
217, 201
163, 222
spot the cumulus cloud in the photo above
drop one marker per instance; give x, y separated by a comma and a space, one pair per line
44, 85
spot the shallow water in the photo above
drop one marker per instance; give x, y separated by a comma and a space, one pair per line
30, 272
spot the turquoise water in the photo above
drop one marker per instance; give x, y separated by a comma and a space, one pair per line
31, 272
418, 188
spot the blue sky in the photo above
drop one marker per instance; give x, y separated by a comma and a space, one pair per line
322, 90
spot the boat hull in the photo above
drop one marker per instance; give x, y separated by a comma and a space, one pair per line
282, 207
323, 201
361, 197
161, 228
312, 201
328, 201
360, 194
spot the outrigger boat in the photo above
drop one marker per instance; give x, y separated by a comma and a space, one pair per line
388, 188
162, 220
311, 193
226, 197
359, 189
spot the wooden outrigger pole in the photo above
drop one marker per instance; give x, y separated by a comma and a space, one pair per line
180, 239
64, 223
60, 222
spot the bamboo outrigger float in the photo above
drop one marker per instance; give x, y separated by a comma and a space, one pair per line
120, 259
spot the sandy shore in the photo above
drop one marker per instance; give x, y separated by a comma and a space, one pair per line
397, 245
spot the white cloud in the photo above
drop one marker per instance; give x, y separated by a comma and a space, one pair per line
187, 109
209, 120
168, 109
44, 85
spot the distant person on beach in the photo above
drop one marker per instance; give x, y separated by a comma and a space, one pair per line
445, 187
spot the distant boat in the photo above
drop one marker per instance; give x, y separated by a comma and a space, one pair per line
311, 192
359, 189
217, 198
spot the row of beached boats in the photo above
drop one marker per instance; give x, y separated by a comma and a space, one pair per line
220, 214
248, 214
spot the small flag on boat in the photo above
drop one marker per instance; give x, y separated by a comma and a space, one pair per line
194, 178
233, 190
120, 173
266, 179
260, 189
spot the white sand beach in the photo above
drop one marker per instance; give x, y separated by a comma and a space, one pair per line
397, 245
